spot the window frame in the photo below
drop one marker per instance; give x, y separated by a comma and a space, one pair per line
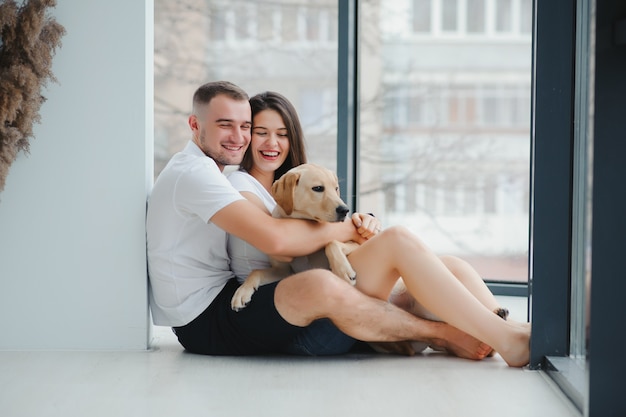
593, 383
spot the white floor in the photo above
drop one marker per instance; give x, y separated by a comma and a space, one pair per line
166, 381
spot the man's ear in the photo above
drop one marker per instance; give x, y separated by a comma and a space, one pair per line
283, 191
193, 123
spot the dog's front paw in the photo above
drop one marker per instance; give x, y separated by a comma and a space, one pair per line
502, 312
242, 297
347, 273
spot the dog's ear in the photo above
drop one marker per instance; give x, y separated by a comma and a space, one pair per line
283, 190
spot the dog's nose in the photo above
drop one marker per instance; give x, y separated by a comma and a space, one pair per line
342, 211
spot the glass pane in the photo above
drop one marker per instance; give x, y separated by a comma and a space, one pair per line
476, 16
504, 20
421, 15
289, 46
526, 23
449, 15
445, 129
583, 179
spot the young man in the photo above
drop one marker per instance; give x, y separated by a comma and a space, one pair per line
191, 209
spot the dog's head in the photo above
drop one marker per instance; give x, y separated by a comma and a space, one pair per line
309, 192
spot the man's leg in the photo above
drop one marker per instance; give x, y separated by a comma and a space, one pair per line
311, 295
256, 329
320, 338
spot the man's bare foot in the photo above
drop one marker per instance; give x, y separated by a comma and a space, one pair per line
462, 344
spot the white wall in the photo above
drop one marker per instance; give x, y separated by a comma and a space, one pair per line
72, 234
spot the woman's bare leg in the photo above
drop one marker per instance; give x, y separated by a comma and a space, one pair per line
471, 279
463, 271
466, 274
398, 252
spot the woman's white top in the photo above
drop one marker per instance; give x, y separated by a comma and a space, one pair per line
243, 256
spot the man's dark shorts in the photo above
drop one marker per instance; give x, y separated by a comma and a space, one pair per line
257, 329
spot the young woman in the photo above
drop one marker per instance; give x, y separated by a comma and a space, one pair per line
446, 286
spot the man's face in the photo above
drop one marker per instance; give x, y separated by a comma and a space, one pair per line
222, 129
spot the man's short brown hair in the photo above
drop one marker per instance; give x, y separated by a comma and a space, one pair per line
205, 93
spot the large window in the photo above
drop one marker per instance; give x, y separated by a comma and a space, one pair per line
444, 134
445, 131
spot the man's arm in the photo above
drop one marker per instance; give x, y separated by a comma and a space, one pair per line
280, 237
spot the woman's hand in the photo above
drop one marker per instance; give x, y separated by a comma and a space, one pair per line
366, 224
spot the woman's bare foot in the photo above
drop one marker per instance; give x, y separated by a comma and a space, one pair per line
523, 325
503, 313
517, 351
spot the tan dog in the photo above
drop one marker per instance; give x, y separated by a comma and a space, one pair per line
305, 192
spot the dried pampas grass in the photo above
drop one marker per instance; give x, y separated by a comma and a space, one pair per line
29, 40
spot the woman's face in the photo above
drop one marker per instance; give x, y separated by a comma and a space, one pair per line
270, 143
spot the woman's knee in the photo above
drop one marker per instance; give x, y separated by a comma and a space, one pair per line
399, 238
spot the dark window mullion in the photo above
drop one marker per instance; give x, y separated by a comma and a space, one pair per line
347, 101
551, 178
